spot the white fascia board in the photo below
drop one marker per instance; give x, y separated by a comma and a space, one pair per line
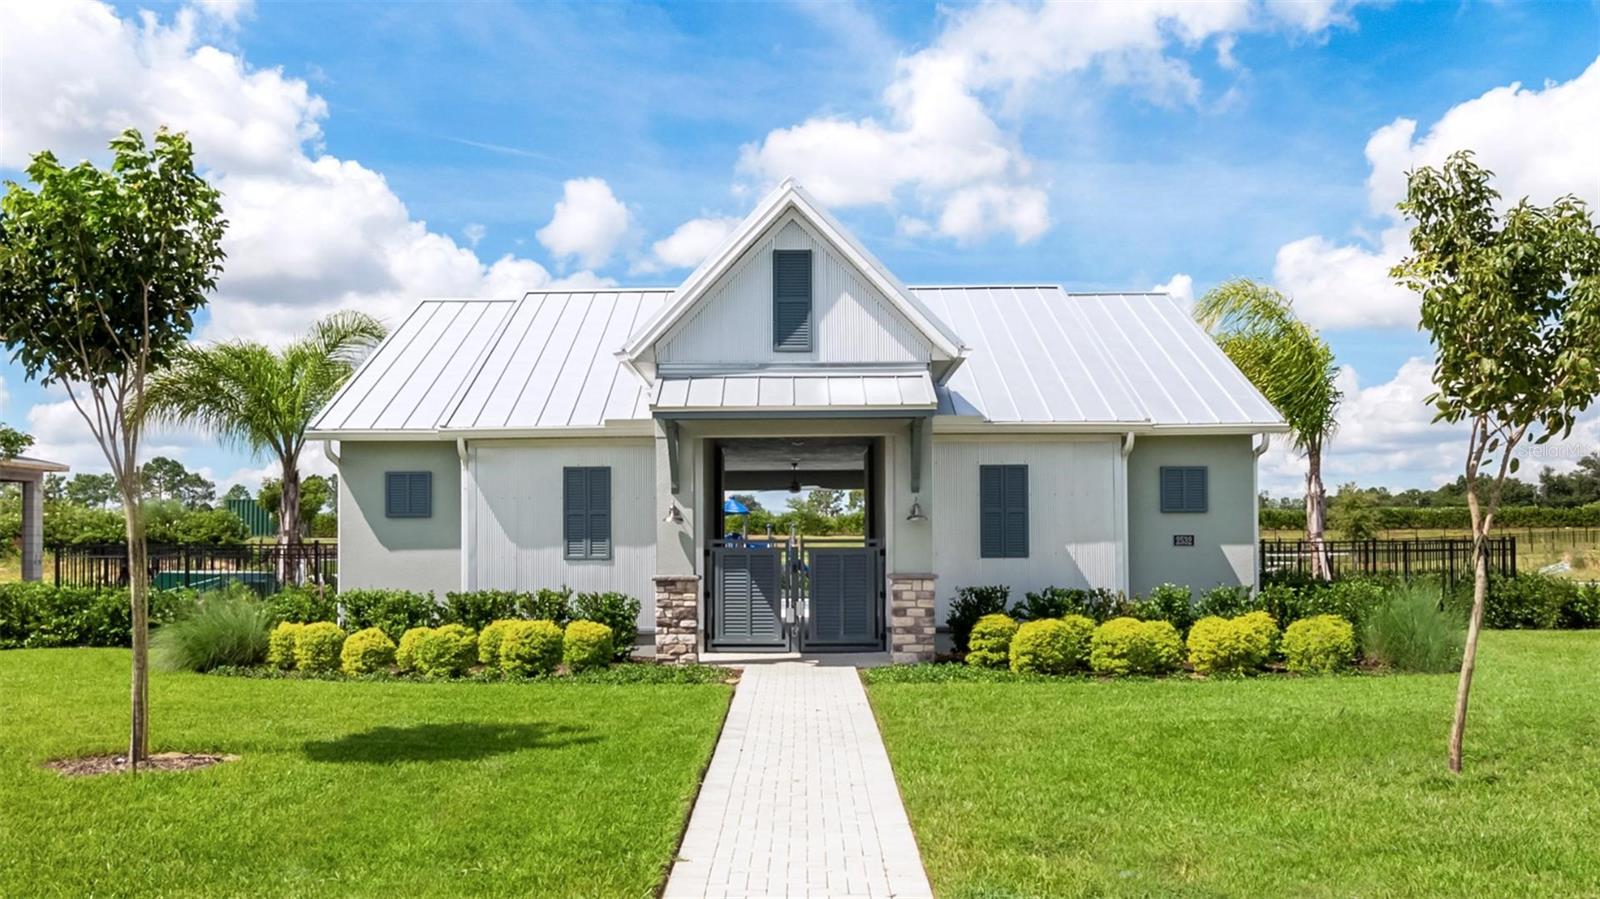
948, 424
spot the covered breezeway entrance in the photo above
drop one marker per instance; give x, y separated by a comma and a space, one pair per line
782, 589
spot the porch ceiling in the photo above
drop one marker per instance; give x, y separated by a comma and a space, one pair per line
768, 393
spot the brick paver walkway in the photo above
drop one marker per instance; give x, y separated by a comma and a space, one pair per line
799, 799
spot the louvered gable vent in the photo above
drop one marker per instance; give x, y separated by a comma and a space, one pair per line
791, 301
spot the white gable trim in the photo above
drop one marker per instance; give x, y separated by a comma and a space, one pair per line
789, 196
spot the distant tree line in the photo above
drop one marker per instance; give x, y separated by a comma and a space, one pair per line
1579, 487
818, 512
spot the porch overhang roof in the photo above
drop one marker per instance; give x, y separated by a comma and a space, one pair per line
778, 394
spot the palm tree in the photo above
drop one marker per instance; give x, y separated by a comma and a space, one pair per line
1293, 367
253, 396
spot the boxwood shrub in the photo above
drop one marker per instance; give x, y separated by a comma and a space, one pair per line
1582, 609
1130, 646
1238, 645
1052, 645
405, 654
489, 641
1168, 602
281, 644
618, 611
1320, 644
445, 651
366, 651
586, 644
530, 648
317, 646
970, 604
989, 645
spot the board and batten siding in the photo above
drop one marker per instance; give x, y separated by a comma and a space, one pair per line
1075, 515
852, 321
515, 518
421, 553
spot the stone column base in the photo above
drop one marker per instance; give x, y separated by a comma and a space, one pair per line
678, 618
911, 617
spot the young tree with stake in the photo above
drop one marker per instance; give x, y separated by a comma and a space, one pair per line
1511, 302
101, 272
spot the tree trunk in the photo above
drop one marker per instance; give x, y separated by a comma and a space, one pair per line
1469, 658
289, 527
1316, 515
139, 600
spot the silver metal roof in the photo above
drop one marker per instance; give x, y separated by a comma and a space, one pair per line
1040, 355
781, 392
1037, 356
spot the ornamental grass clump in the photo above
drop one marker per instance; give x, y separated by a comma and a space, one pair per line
989, 645
281, 643
1321, 644
1411, 633
366, 652
585, 645
1239, 645
530, 648
1052, 645
445, 651
316, 648
224, 629
1130, 646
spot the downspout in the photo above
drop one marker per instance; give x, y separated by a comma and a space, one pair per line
327, 450
1127, 528
1255, 503
466, 515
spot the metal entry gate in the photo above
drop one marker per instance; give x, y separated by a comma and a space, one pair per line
786, 595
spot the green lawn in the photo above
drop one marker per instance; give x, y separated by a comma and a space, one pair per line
1266, 787
347, 789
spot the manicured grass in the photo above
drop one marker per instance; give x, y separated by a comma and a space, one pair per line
347, 789
1265, 787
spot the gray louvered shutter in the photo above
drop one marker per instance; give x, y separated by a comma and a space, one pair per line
419, 491
599, 512
1172, 489
1194, 489
1016, 512
408, 494
791, 300
575, 518
991, 511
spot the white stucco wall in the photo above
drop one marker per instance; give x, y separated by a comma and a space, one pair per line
400, 553
1076, 514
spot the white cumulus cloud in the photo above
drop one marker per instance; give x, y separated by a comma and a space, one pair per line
938, 145
689, 244
588, 223
1541, 143
1179, 286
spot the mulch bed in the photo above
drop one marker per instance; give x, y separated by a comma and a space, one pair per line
91, 765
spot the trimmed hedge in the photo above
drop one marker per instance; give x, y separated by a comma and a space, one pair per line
365, 652
1131, 646
1237, 645
990, 643
393, 611
618, 611
444, 651
405, 654
281, 643
1457, 517
585, 645
1320, 644
530, 648
970, 604
317, 646
489, 641
35, 615
1052, 645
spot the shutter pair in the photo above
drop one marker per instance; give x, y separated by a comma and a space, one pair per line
586, 511
1003, 511
408, 494
1183, 488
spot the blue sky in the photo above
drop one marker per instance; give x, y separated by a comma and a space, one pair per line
371, 154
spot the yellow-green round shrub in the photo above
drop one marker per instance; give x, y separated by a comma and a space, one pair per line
317, 647
1232, 645
530, 648
489, 641
281, 642
1131, 646
366, 651
586, 644
445, 651
1052, 645
1319, 644
989, 645
405, 657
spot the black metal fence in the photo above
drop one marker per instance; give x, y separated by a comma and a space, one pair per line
1449, 558
264, 567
